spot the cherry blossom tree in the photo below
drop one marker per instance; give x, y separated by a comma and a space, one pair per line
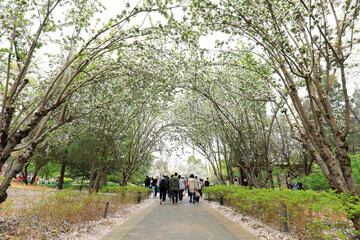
307, 44
50, 51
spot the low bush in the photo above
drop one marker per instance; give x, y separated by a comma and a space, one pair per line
315, 181
113, 178
355, 165
310, 214
68, 180
127, 193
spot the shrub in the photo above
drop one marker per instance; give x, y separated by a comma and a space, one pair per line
127, 193
355, 165
311, 215
315, 181
67, 180
113, 178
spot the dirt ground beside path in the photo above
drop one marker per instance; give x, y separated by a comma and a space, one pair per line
21, 201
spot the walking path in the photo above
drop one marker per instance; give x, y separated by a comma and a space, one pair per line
180, 221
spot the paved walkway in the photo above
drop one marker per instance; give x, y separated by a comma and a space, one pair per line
181, 221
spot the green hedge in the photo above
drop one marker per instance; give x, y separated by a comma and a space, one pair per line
127, 193
311, 215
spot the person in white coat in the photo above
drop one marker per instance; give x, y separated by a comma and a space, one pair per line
182, 187
192, 188
198, 187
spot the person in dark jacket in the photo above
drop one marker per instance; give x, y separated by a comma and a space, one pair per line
174, 187
207, 183
154, 186
147, 182
163, 185
168, 187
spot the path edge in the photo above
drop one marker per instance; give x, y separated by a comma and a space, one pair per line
123, 229
236, 229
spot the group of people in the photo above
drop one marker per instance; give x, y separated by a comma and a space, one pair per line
293, 185
20, 178
152, 183
245, 182
176, 187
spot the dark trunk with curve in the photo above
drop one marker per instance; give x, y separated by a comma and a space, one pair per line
25, 172
25, 175
17, 167
62, 175
33, 179
96, 186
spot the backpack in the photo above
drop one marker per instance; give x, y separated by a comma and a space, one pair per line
162, 183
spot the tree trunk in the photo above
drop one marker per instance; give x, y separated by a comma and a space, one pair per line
268, 168
24, 175
345, 164
91, 178
231, 165
315, 155
307, 166
17, 167
96, 186
62, 175
25, 172
104, 179
123, 181
33, 179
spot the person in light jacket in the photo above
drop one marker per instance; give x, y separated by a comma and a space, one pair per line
182, 187
192, 188
198, 187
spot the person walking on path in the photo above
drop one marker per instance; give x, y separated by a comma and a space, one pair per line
207, 183
201, 186
157, 186
198, 188
168, 187
192, 188
154, 186
57, 183
163, 182
169, 190
174, 187
147, 182
182, 187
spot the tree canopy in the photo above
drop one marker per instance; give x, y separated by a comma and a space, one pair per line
276, 92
